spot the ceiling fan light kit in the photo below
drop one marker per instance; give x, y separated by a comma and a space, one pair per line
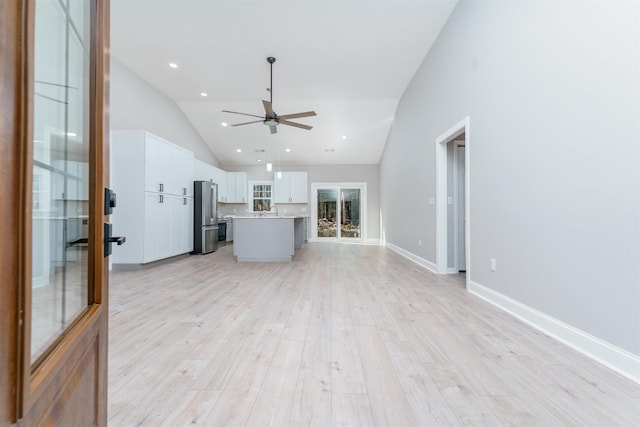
271, 119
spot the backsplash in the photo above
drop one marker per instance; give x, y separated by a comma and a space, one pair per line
301, 209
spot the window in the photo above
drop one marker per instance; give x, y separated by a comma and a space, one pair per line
261, 195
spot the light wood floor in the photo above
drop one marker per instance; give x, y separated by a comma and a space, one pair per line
345, 335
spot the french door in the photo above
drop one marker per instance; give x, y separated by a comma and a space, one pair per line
53, 166
338, 212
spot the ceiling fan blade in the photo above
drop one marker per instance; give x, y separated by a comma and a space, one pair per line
268, 109
273, 129
297, 115
247, 123
244, 114
294, 124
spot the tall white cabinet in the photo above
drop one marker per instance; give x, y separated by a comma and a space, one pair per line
153, 180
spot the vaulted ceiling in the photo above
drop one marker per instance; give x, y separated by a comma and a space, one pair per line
348, 60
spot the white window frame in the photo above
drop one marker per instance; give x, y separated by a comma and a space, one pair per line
315, 186
251, 185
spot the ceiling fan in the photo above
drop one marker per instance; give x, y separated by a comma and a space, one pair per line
270, 118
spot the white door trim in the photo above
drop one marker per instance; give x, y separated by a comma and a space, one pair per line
452, 133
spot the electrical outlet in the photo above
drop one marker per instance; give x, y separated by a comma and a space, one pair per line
492, 264
420, 243
303, 209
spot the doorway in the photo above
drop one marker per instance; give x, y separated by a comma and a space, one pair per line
459, 211
338, 212
452, 200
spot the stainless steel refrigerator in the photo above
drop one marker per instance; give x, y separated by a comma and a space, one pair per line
205, 217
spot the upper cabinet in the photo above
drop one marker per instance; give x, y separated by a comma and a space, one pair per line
220, 178
236, 187
291, 187
206, 172
168, 168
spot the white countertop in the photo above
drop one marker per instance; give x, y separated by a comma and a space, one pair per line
267, 217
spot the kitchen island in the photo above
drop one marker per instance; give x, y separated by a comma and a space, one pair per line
267, 238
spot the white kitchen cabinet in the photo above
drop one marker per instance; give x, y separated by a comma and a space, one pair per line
207, 172
220, 178
186, 221
154, 245
159, 223
168, 168
150, 146
175, 164
291, 187
236, 187
168, 226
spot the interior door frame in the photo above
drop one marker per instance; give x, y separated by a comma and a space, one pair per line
31, 393
462, 127
315, 186
456, 205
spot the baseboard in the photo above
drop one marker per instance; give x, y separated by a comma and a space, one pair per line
413, 257
373, 242
615, 358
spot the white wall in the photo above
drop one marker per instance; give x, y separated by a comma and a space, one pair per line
552, 91
135, 104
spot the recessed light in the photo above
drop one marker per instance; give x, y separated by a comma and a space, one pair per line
259, 160
204, 94
224, 124
238, 150
288, 150
344, 136
173, 65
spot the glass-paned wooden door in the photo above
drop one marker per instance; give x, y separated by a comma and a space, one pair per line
53, 363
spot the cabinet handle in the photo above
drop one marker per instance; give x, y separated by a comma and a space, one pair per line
161, 198
161, 188
184, 191
184, 200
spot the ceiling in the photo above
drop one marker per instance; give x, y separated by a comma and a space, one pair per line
348, 60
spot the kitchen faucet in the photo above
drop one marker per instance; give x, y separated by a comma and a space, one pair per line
274, 206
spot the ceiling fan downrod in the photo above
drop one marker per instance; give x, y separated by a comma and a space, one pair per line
271, 60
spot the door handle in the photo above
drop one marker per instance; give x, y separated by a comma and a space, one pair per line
109, 239
119, 240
